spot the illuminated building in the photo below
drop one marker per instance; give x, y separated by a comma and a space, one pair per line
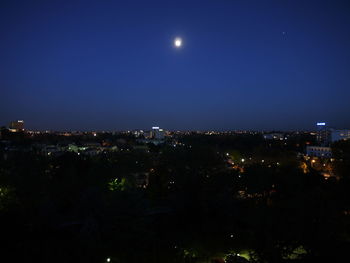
323, 134
17, 125
319, 151
157, 133
138, 133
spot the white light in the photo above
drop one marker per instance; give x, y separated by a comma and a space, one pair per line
242, 160
321, 124
178, 42
108, 259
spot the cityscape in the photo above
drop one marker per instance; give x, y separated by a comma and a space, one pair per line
149, 181
175, 131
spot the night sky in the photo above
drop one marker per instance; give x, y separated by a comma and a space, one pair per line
112, 65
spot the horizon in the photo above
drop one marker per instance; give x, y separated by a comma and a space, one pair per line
314, 129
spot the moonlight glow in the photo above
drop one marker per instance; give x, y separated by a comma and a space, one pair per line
178, 42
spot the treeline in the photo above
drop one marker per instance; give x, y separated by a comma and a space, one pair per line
194, 209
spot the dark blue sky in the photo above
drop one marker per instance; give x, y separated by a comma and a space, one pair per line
110, 65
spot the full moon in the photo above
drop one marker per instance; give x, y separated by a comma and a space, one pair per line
178, 42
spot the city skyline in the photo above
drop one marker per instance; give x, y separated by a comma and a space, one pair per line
230, 65
19, 125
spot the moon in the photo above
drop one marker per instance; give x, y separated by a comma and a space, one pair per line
178, 42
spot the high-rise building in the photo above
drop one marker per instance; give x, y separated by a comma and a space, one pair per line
17, 125
323, 134
157, 133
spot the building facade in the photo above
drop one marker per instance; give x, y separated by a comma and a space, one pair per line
323, 134
157, 133
17, 125
319, 151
